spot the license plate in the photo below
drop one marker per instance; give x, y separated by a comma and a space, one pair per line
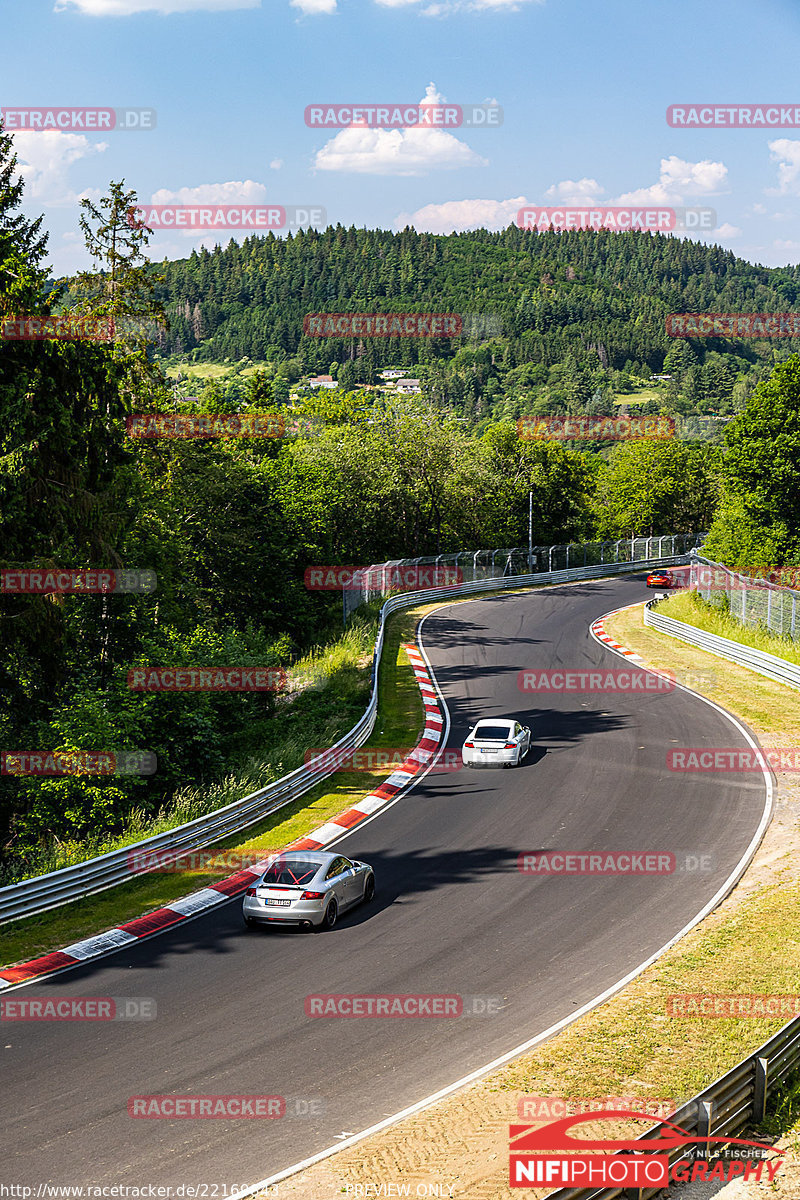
488, 751
271, 901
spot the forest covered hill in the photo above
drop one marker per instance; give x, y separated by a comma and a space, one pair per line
580, 312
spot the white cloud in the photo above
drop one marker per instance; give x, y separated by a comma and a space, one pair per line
726, 231
397, 151
313, 7
460, 215
127, 8
786, 153
486, 5
571, 191
276, 164
445, 8
677, 180
786, 245
45, 159
234, 192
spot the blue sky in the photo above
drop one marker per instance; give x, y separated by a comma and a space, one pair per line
584, 88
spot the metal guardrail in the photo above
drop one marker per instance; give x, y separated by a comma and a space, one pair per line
758, 602
746, 656
473, 565
49, 891
44, 892
733, 1102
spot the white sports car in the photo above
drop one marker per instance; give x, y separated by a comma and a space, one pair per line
496, 741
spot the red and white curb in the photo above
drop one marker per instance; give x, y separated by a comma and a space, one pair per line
598, 632
189, 906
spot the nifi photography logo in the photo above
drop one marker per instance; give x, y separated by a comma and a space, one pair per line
552, 1156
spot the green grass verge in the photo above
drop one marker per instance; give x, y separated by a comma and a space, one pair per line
642, 397
770, 708
631, 1046
209, 370
689, 607
749, 944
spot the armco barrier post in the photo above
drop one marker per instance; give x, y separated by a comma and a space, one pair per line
760, 1084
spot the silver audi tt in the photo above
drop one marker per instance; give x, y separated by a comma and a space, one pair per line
496, 742
309, 888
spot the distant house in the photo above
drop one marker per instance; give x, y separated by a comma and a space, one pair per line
322, 381
408, 386
661, 377
391, 373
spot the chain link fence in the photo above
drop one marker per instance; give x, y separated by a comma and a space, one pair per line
765, 602
468, 566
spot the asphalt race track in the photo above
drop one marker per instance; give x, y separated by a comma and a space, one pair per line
453, 914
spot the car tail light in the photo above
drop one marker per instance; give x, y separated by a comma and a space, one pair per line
312, 895
469, 745
510, 746
250, 892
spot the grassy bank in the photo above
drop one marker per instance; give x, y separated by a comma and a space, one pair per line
687, 606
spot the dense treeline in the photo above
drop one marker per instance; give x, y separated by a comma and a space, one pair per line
577, 310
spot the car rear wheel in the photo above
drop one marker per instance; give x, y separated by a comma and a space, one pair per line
369, 889
331, 915
250, 923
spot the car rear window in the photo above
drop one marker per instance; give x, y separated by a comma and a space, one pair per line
290, 872
493, 733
